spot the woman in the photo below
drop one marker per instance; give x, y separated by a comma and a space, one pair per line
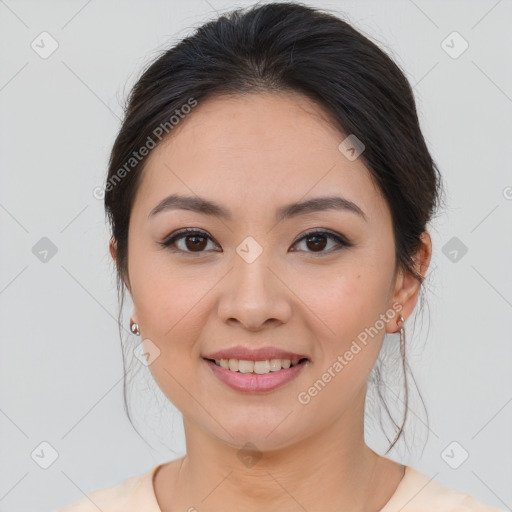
269, 193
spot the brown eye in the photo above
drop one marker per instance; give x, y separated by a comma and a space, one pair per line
190, 240
195, 242
317, 241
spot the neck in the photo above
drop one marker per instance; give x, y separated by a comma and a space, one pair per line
332, 468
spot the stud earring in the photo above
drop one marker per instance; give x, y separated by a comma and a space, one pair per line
134, 327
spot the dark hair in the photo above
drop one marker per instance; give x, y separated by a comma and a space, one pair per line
296, 48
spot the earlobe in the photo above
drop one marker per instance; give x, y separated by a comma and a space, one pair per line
407, 286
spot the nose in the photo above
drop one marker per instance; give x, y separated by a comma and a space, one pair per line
254, 295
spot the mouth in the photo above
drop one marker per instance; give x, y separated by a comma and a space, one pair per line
261, 367
256, 376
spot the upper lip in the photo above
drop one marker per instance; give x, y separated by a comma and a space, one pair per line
253, 354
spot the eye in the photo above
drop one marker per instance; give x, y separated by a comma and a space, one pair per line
195, 241
316, 241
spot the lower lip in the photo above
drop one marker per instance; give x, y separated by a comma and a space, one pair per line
253, 382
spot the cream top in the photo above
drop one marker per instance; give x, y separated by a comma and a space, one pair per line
416, 492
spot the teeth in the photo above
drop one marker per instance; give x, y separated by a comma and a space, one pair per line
261, 367
258, 367
246, 366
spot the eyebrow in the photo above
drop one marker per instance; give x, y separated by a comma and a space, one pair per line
207, 207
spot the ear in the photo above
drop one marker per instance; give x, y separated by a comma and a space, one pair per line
113, 252
407, 287
112, 245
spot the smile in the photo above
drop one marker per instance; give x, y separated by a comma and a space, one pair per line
256, 376
258, 367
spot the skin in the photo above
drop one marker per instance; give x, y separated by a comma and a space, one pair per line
253, 154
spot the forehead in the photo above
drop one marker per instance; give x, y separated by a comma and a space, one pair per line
255, 150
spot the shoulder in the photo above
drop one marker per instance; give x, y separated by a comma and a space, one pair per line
418, 492
132, 494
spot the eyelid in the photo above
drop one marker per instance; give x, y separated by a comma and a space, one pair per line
324, 231
182, 233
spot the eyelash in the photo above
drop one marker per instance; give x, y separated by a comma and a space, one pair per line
184, 233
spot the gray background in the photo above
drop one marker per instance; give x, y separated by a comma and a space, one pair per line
60, 365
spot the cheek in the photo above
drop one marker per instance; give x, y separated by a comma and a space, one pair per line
167, 297
170, 311
346, 309
171, 308
345, 296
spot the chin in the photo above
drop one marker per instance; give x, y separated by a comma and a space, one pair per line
258, 436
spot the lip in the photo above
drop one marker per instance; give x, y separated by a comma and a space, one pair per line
254, 354
252, 382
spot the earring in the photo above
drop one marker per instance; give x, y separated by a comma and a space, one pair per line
402, 332
406, 387
401, 320
134, 327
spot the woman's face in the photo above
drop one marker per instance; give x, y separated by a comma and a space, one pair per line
250, 279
